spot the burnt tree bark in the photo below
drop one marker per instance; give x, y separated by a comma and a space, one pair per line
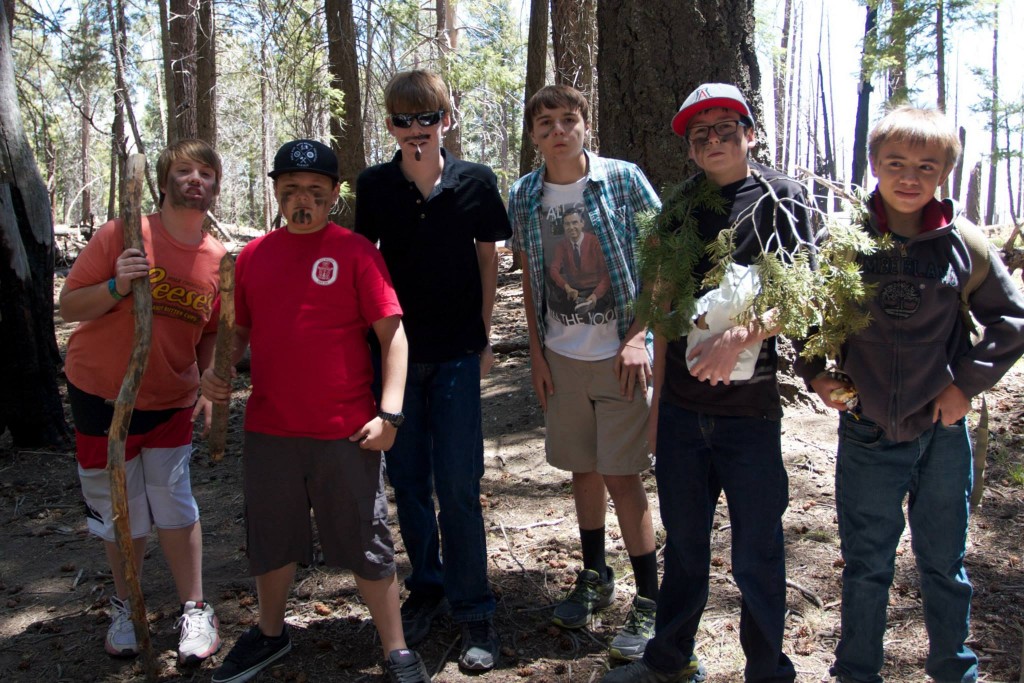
864, 88
30, 403
653, 76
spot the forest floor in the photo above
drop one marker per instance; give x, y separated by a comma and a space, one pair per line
54, 585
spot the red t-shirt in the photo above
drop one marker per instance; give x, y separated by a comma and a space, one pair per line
308, 301
184, 281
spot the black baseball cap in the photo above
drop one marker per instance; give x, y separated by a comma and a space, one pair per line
305, 156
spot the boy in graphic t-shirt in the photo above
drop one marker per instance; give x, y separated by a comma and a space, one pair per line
573, 223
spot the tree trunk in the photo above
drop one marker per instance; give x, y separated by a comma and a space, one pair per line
940, 53
85, 216
719, 35
206, 73
958, 176
940, 68
973, 209
30, 403
897, 77
864, 88
346, 133
116, 152
266, 122
781, 83
536, 70
574, 42
180, 56
448, 43
993, 157
118, 36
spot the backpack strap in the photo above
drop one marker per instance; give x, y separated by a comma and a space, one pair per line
978, 248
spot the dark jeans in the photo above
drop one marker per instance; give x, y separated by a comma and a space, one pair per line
873, 476
699, 456
439, 449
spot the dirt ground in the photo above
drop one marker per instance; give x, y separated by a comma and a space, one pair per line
55, 585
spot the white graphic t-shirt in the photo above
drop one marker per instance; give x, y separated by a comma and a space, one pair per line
580, 318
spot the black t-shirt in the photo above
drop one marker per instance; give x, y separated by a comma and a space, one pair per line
429, 246
758, 396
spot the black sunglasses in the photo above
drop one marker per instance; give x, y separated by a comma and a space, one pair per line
700, 134
425, 119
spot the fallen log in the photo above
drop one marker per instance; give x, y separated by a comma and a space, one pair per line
142, 308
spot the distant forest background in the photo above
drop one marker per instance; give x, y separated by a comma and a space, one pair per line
83, 83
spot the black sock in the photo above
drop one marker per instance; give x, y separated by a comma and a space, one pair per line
592, 541
645, 573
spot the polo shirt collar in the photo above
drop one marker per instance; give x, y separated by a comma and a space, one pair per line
449, 174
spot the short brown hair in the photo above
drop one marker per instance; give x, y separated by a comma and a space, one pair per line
555, 97
916, 127
412, 92
197, 150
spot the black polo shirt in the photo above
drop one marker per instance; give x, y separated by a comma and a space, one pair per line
429, 246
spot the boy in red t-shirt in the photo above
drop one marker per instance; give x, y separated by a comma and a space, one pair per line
305, 296
181, 262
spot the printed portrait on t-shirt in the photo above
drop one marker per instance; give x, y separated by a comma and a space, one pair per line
578, 287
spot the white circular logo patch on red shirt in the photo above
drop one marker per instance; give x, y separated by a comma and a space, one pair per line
325, 271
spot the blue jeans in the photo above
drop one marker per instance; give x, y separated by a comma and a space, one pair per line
873, 475
698, 457
440, 449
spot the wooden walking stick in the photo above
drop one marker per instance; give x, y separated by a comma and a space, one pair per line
222, 354
142, 307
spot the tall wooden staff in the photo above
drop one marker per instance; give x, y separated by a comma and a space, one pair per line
222, 354
142, 308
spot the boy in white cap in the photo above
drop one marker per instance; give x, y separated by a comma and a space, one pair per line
305, 297
714, 434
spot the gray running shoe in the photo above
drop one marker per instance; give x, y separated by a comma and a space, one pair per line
631, 641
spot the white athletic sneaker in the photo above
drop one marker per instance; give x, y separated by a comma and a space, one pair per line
121, 634
199, 638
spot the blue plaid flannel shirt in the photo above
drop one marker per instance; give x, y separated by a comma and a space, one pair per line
615, 192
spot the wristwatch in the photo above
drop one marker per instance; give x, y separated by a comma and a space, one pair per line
394, 419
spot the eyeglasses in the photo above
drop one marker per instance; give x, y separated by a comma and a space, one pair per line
723, 129
425, 119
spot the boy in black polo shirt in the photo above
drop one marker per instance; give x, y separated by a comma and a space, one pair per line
437, 219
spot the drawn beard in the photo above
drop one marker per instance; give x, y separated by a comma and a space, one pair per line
179, 200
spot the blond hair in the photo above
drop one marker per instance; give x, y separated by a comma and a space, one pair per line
918, 128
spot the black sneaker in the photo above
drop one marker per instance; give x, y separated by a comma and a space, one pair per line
481, 647
251, 653
590, 594
418, 613
639, 672
405, 666
631, 641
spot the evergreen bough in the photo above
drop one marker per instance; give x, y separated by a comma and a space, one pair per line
822, 305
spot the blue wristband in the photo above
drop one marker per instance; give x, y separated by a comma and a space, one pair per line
112, 288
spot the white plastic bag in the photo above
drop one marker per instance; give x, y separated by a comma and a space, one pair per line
719, 310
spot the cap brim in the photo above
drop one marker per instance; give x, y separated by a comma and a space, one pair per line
275, 173
682, 119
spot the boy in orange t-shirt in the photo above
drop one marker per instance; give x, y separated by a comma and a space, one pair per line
181, 262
